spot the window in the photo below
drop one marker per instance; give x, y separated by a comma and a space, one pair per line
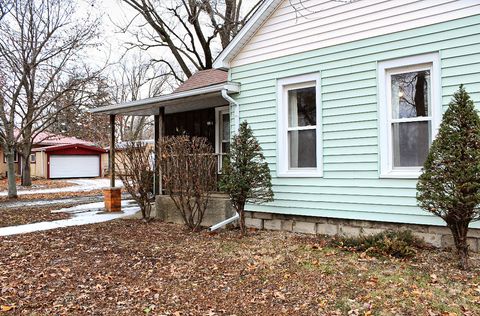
33, 158
409, 113
299, 132
15, 157
222, 133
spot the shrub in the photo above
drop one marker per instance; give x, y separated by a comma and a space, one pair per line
450, 184
245, 174
136, 168
398, 244
189, 175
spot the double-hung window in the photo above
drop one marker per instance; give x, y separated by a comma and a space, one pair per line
409, 113
299, 126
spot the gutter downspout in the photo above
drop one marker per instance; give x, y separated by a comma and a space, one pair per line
236, 111
225, 222
237, 126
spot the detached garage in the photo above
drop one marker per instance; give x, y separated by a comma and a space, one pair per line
70, 161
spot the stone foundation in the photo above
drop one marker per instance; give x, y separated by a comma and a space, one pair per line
219, 208
113, 199
434, 235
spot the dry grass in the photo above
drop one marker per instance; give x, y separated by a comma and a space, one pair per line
126, 267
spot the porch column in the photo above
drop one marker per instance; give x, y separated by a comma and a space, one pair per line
159, 120
111, 157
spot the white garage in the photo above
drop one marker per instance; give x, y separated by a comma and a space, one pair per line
70, 161
74, 166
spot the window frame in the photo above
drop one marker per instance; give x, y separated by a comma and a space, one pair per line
34, 160
219, 111
283, 86
385, 70
15, 157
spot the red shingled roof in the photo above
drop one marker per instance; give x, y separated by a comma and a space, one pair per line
203, 78
46, 139
50, 139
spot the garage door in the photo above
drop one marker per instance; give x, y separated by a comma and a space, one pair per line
74, 166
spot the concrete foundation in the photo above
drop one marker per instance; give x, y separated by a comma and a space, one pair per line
219, 208
434, 235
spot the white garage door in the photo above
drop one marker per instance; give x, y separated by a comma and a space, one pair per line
74, 166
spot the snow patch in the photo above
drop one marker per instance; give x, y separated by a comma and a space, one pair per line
83, 214
81, 185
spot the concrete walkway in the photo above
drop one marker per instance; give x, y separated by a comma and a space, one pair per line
81, 215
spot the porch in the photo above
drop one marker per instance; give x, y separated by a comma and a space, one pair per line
199, 107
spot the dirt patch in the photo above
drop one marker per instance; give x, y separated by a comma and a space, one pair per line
37, 184
126, 267
33, 214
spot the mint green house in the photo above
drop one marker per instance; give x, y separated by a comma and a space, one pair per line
345, 99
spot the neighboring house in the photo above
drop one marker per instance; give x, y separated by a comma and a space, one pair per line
120, 151
345, 99
55, 156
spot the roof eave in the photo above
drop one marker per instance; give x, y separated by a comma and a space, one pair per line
231, 87
252, 26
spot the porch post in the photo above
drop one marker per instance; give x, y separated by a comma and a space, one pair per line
159, 120
111, 157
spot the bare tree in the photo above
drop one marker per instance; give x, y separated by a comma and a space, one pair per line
74, 118
137, 78
137, 167
41, 43
192, 30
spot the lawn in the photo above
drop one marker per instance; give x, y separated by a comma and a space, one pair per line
37, 184
32, 214
126, 267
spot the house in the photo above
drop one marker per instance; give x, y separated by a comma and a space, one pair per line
55, 156
120, 147
345, 99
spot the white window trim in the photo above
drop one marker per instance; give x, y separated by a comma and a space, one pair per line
218, 148
283, 86
384, 109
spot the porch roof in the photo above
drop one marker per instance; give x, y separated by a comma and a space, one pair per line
196, 93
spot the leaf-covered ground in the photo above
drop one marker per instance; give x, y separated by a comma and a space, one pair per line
52, 196
37, 184
126, 267
32, 214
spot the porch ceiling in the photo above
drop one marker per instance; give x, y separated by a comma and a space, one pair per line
200, 98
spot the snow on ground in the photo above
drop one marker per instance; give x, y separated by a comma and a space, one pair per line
81, 215
81, 185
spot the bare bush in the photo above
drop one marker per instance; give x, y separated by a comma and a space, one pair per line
136, 166
189, 175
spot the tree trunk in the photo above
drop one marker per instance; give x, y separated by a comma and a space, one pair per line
12, 184
26, 175
241, 213
459, 233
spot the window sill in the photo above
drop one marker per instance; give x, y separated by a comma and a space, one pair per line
308, 173
401, 175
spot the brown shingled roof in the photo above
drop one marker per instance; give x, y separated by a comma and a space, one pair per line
203, 78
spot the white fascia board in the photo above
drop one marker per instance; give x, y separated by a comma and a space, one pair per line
231, 87
247, 31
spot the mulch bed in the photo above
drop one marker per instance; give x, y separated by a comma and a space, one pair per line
37, 184
126, 267
31, 214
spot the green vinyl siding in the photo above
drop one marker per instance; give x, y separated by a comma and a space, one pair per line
351, 186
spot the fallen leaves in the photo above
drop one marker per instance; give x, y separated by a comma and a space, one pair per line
32, 214
126, 267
